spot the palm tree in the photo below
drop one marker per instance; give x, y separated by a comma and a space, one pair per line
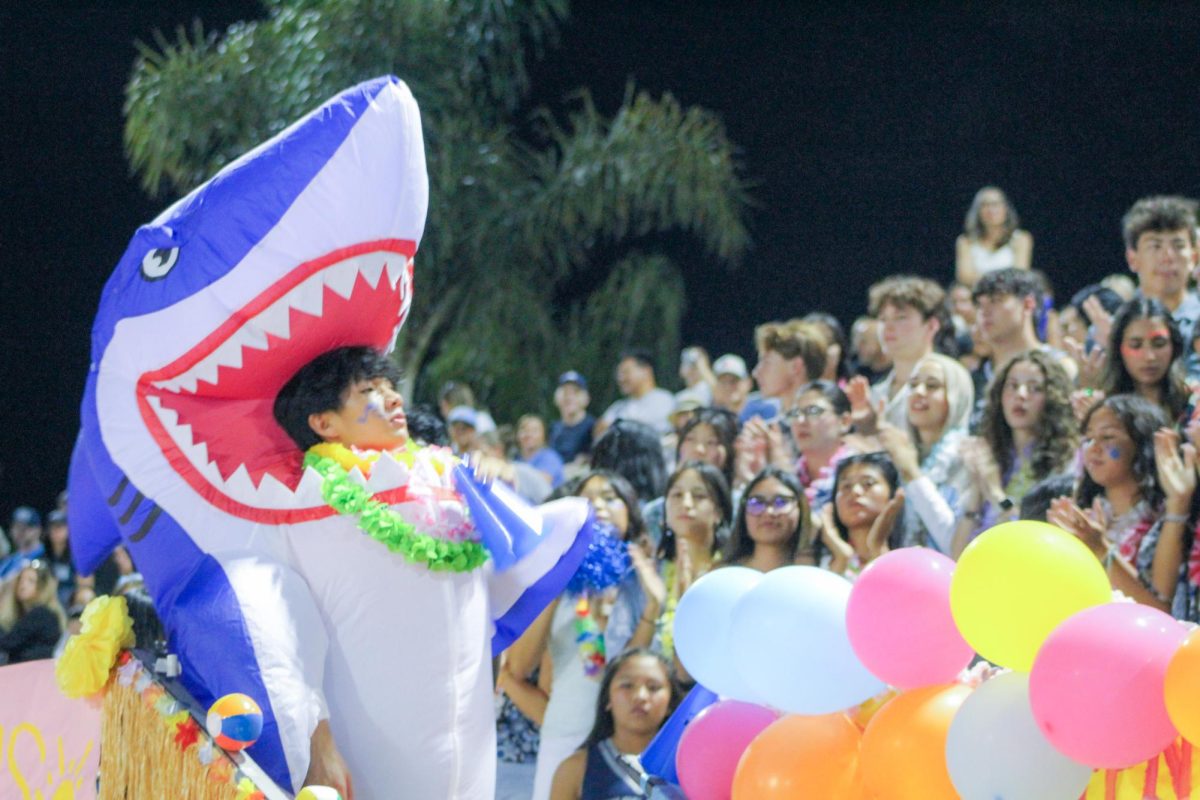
513, 226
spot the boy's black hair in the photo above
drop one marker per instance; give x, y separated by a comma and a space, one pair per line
321, 384
1159, 214
1010, 280
634, 451
1036, 501
426, 427
639, 354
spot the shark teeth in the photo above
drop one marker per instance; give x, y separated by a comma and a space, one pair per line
270, 493
308, 297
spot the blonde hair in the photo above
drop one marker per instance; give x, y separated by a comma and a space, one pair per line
12, 609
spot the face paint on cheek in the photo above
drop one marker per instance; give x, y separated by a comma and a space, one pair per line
1114, 453
372, 407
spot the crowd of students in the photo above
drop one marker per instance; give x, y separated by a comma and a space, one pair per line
945, 411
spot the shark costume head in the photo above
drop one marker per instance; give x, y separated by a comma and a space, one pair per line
302, 245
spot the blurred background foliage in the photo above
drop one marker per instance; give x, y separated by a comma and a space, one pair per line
540, 250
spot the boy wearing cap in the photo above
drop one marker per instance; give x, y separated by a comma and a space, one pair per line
571, 436
26, 532
733, 383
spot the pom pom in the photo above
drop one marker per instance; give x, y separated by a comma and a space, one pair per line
606, 564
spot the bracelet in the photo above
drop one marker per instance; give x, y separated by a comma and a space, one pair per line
974, 516
1180, 518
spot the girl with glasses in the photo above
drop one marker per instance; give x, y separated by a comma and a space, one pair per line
774, 527
819, 421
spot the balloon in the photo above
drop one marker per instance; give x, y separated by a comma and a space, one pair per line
1016, 582
318, 793
904, 746
1097, 686
1180, 690
801, 757
790, 644
702, 629
711, 746
900, 623
995, 751
659, 756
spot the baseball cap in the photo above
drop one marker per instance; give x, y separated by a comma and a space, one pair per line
56, 517
463, 414
730, 364
571, 376
25, 515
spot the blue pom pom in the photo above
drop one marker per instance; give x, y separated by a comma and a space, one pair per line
606, 563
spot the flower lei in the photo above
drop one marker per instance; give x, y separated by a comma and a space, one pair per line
605, 565
1128, 546
377, 520
590, 639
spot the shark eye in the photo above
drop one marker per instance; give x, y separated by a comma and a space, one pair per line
158, 262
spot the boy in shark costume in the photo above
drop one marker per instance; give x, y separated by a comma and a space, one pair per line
303, 246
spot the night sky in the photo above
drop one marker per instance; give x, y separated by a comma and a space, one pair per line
865, 132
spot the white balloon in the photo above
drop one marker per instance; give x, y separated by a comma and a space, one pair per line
995, 750
791, 647
702, 625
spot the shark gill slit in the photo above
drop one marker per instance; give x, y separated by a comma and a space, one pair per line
146, 525
116, 496
133, 504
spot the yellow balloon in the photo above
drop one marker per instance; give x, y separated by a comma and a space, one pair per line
1015, 583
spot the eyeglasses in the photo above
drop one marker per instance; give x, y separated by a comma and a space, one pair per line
757, 505
808, 412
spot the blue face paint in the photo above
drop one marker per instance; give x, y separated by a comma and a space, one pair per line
372, 407
1114, 453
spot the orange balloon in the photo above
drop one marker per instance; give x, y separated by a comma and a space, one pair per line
904, 746
801, 757
1180, 688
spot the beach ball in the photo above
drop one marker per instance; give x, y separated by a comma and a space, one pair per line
235, 722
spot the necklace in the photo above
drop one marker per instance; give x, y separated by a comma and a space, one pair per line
379, 521
590, 638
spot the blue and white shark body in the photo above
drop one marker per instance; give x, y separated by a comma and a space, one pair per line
302, 245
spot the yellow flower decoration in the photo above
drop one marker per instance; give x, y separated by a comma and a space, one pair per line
108, 618
88, 658
346, 458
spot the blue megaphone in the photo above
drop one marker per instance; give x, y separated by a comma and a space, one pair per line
504, 521
659, 756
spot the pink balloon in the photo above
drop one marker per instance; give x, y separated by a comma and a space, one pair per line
900, 623
1096, 687
712, 744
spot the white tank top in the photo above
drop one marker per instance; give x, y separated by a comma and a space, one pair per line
986, 260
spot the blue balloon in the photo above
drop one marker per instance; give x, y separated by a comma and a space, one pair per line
790, 643
658, 758
702, 630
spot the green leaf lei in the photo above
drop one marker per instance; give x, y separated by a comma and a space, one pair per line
385, 526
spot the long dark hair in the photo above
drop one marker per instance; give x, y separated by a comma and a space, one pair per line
973, 225
883, 463
604, 726
1141, 419
633, 450
724, 425
624, 490
741, 546
717, 487
1117, 380
1057, 433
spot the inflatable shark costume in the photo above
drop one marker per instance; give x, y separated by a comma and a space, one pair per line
303, 245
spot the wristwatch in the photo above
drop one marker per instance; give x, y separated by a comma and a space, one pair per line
1006, 504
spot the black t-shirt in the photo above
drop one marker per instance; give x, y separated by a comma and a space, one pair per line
571, 440
33, 636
